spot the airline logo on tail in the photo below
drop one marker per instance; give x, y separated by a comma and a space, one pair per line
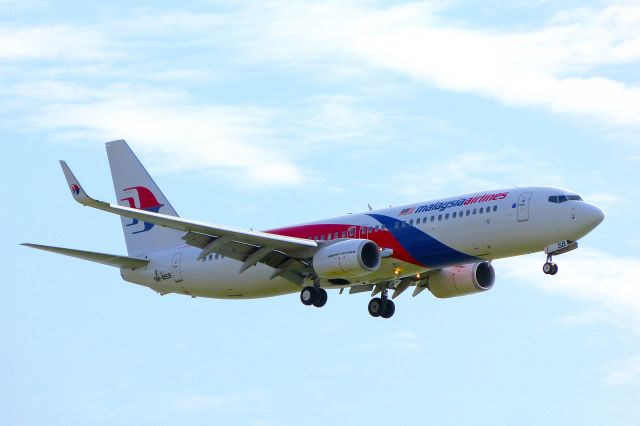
75, 189
147, 201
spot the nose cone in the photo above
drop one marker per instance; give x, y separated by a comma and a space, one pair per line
593, 216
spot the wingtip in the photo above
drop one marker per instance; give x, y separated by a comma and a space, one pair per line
77, 191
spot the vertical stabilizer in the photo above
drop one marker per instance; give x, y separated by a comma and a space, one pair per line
135, 188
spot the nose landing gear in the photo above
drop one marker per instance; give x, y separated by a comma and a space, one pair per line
549, 267
560, 247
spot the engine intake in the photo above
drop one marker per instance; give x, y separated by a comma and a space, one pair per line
462, 280
347, 258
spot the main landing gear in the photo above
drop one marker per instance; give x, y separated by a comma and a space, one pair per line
313, 295
382, 306
549, 267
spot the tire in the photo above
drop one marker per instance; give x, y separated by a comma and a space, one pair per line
308, 295
547, 268
554, 270
388, 309
322, 298
375, 307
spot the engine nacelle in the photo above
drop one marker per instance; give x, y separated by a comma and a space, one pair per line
462, 280
346, 259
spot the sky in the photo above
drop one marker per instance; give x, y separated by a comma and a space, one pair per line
264, 114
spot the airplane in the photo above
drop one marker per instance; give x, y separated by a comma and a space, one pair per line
445, 245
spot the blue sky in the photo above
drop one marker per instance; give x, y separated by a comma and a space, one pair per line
258, 115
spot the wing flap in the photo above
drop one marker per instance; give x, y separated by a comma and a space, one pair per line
104, 258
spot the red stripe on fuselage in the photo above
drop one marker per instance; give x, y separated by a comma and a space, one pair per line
383, 238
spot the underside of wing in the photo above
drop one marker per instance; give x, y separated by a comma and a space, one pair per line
291, 268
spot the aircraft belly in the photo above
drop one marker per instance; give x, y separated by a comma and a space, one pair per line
221, 279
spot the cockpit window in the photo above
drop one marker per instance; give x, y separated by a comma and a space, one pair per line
564, 198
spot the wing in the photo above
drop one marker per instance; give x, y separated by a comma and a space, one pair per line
285, 254
104, 258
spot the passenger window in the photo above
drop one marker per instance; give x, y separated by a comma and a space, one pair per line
495, 208
462, 213
453, 216
411, 222
468, 212
335, 236
397, 225
446, 216
475, 211
344, 234
211, 256
328, 237
439, 217
433, 218
481, 210
418, 221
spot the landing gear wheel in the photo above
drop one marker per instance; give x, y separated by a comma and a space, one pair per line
376, 306
554, 270
322, 298
548, 268
388, 309
309, 295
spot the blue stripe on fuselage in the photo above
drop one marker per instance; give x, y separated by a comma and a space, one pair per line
423, 247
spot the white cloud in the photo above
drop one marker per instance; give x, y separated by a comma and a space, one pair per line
609, 283
174, 133
623, 372
610, 202
558, 65
473, 170
54, 42
217, 402
246, 144
554, 66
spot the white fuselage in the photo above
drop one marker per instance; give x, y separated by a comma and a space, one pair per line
425, 236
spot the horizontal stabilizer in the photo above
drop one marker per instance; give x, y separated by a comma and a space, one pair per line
104, 258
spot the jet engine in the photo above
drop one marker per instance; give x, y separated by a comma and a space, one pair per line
462, 280
347, 258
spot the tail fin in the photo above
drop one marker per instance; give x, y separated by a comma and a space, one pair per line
135, 188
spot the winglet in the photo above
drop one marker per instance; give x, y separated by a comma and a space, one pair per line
76, 189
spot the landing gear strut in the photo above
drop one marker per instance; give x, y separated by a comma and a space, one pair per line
313, 295
382, 306
549, 267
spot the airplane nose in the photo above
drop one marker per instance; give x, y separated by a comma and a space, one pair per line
594, 216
